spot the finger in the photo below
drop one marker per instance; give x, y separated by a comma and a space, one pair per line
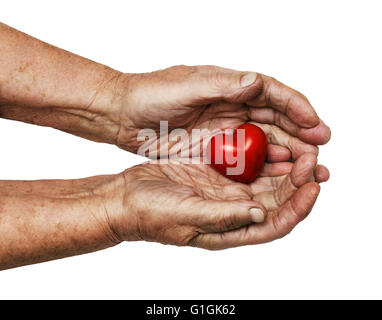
318, 135
197, 85
281, 222
277, 225
279, 137
301, 173
273, 175
276, 169
276, 153
277, 172
206, 84
321, 174
223, 215
286, 100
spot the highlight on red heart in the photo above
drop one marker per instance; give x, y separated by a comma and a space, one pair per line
239, 155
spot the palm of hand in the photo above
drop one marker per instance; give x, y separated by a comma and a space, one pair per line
194, 205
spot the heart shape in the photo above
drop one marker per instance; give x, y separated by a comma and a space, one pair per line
239, 156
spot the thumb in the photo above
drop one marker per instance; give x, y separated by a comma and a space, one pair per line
224, 215
229, 85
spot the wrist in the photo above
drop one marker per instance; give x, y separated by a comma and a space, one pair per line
111, 107
112, 198
100, 118
92, 110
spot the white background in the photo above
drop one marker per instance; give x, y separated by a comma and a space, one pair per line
329, 50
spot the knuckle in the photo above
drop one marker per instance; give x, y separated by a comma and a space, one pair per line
194, 240
187, 236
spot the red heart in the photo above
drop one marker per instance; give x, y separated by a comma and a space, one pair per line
241, 155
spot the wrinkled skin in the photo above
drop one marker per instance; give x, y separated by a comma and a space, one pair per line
171, 203
212, 98
194, 205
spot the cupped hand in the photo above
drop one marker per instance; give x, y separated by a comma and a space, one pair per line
194, 205
189, 204
214, 98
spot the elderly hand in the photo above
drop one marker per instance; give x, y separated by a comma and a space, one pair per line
194, 205
174, 203
213, 98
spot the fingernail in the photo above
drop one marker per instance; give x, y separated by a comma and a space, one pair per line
248, 79
257, 215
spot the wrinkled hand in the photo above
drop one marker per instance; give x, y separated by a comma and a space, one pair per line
214, 98
194, 205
